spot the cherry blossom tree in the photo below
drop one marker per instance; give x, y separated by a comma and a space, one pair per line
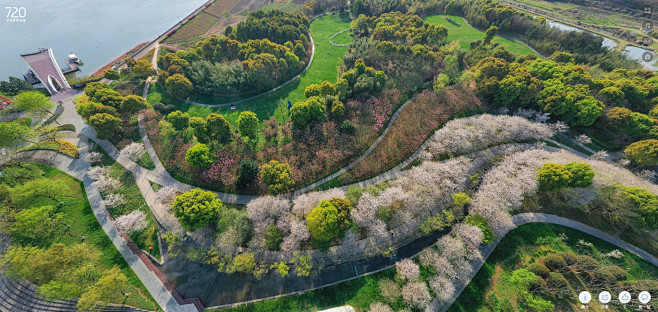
389, 289
466, 135
407, 269
132, 222
133, 151
166, 195
416, 295
379, 307
583, 139
305, 203
113, 200
443, 288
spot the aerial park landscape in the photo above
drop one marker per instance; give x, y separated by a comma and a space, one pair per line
379, 155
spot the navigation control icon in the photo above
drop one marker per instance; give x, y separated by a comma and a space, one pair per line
647, 56
624, 297
605, 297
585, 297
644, 297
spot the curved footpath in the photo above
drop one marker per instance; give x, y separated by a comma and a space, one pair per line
526, 218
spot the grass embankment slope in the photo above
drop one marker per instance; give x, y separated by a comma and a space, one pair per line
491, 289
78, 214
324, 67
462, 32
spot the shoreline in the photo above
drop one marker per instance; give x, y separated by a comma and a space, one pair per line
101, 71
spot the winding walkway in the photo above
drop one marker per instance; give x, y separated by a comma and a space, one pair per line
527, 218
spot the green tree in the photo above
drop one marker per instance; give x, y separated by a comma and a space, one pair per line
449, 7
337, 109
588, 110
143, 69
196, 208
218, 128
460, 200
300, 115
34, 102
277, 177
489, 35
273, 237
180, 120
280, 268
247, 172
248, 124
110, 287
563, 57
107, 126
553, 177
111, 74
582, 174
643, 152
343, 206
199, 125
26, 194
37, 224
243, 262
107, 96
199, 156
522, 278
12, 133
179, 86
133, 103
611, 95
316, 109
60, 272
322, 222
312, 90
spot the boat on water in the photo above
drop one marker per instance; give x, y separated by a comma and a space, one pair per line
74, 58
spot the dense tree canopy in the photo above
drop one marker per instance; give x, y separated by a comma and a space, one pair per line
199, 156
277, 177
322, 222
196, 208
643, 152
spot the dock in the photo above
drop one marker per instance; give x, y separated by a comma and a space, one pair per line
44, 68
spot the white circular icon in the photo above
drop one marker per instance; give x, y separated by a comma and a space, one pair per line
624, 297
605, 297
585, 297
644, 297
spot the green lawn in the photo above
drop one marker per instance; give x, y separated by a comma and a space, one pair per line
78, 214
491, 289
324, 67
463, 33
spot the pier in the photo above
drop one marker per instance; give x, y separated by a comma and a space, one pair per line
44, 69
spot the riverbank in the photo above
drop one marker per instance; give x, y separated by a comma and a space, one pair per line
101, 71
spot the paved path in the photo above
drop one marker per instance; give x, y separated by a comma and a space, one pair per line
526, 218
78, 168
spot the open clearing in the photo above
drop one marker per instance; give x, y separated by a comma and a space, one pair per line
460, 31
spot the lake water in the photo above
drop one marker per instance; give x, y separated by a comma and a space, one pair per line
633, 52
97, 31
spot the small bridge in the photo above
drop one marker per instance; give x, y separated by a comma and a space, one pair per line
43, 67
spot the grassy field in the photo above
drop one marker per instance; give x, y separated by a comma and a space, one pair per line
324, 67
78, 214
491, 289
463, 33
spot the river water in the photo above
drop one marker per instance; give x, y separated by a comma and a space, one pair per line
633, 52
97, 31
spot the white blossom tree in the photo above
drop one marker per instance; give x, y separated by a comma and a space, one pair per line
132, 222
416, 295
133, 151
166, 195
583, 139
443, 288
113, 200
379, 307
407, 269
